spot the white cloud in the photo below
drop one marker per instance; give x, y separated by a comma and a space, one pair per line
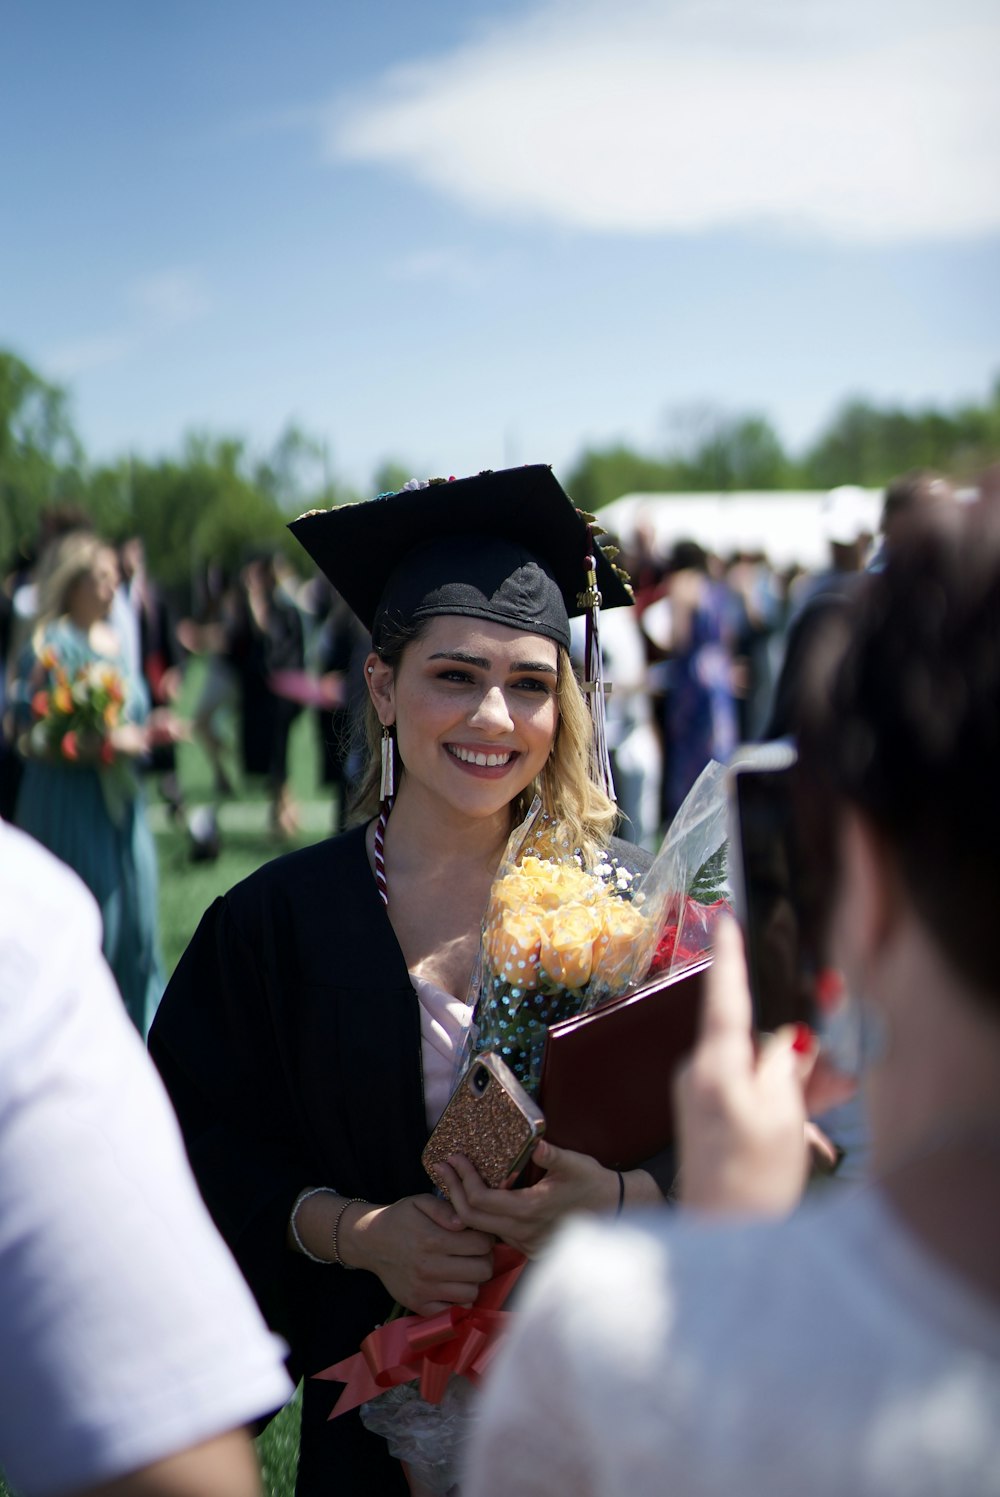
169, 299
448, 265
869, 121
71, 359
156, 305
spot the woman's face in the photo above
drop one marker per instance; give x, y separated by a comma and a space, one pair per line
91, 596
475, 711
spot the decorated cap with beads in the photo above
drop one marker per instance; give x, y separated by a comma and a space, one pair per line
506, 546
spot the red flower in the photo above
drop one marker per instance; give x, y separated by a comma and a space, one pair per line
40, 703
70, 747
107, 752
679, 947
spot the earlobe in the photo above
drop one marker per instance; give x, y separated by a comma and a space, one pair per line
379, 678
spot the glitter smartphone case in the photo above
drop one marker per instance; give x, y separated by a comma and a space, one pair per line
490, 1119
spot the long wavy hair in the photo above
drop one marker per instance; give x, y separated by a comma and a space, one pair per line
568, 791
65, 563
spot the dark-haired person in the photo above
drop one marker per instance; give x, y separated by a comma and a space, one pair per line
310, 1032
855, 1347
266, 636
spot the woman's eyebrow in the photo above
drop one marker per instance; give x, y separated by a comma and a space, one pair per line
519, 665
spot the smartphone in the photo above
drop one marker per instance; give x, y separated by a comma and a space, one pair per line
774, 888
490, 1119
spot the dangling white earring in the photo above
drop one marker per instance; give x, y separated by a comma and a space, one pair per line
387, 783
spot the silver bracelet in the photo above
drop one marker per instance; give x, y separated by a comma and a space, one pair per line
335, 1234
303, 1195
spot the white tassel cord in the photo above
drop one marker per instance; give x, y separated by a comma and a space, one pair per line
594, 685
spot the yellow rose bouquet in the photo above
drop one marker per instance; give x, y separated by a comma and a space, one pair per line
561, 937
558, 937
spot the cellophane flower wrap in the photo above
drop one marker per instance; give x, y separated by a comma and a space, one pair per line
413, 1379
559, 937
692, 872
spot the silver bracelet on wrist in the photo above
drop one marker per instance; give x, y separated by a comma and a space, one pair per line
335, 1234
303, 1195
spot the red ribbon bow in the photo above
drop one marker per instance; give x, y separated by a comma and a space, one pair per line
431, 1348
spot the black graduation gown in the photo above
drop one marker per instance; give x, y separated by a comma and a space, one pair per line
289, 1040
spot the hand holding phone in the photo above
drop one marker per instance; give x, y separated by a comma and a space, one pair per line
491, 1120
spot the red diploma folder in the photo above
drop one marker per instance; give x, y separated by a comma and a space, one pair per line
606, 1078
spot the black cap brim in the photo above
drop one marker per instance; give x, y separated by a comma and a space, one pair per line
359, 546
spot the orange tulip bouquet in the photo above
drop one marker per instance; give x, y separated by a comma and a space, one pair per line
74, 717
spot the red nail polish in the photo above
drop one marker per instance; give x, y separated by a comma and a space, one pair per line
804, 1039
829, 988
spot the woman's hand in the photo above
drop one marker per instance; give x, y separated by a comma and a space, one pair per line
421, 1251
741, 1111
163, 726
526, 1218
134, 740
129, 739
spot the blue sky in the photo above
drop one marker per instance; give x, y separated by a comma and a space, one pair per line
467, 232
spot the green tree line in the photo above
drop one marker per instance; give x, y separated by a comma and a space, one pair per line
215, 499
863, 443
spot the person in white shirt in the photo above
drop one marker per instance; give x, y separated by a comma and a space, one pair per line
133, 1352
854, 1345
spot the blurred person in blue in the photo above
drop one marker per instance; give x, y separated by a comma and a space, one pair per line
853, 1344
699, 705
82, 798
134, 1356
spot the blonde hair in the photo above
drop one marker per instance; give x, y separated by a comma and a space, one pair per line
63, 564
566, 785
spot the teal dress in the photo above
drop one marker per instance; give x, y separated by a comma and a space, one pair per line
94, 819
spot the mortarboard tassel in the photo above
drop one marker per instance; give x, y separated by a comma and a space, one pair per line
593, 685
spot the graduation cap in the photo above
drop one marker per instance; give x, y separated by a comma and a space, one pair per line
507, 546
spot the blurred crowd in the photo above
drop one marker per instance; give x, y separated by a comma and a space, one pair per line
708, 657
851, 1346
712, 653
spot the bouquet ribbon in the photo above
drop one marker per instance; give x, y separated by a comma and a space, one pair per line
431, 1348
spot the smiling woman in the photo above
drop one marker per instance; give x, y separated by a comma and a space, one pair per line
309, 1035
475, 712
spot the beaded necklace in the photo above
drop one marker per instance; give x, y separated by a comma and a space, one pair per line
380, 878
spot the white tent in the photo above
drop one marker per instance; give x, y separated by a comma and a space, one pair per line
785, 524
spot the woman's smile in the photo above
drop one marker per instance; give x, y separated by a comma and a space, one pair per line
475, 711
481, 758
